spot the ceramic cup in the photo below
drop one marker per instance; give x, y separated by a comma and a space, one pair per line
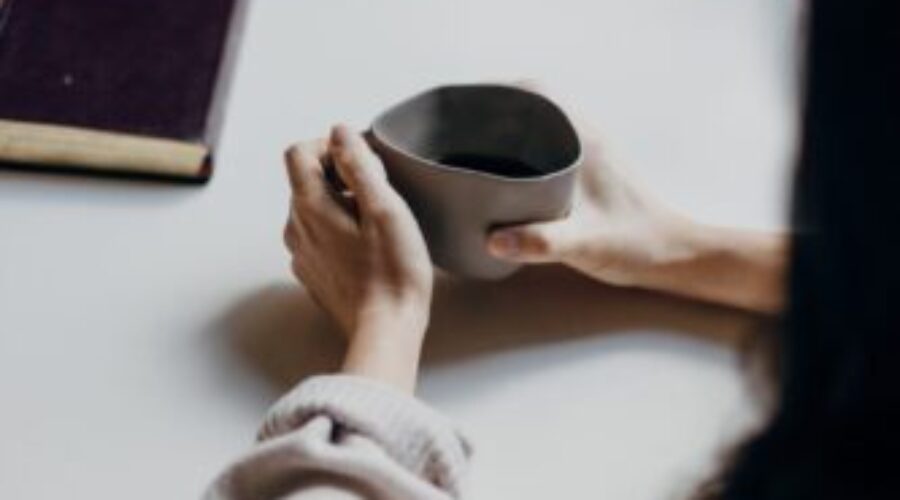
471, 158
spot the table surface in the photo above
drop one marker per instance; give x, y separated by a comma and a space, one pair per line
144, 328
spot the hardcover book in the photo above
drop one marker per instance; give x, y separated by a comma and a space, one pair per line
115, 86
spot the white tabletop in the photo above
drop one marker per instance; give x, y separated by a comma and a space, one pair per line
144, 328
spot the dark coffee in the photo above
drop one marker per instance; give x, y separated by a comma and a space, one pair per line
497, 165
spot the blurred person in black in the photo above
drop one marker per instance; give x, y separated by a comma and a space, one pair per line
833, 433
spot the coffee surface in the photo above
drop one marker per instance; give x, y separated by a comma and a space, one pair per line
497, 165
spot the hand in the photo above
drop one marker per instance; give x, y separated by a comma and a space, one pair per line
615, 233
620, 234
359, 251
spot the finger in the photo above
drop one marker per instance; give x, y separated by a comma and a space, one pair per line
295, 231
318, 147
314, 201
290, 237
291, 233
299, 269
533, 243
360, 169
304, 167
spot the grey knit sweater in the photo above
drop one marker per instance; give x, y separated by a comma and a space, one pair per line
348, 438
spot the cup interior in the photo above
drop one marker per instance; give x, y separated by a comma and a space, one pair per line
492, 130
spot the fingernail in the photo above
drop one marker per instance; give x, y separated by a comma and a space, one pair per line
504, 244
340, 135
292, 152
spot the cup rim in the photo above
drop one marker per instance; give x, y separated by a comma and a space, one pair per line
380, 137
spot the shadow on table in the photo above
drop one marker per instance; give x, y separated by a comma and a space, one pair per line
285, 336
73, 187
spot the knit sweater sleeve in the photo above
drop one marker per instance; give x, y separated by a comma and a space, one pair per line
345, 437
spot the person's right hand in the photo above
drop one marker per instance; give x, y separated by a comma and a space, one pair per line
358, 250
615, 232
619, 234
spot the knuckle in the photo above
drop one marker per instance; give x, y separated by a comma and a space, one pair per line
381, 212
301, 154
298, 268
306, 203
303, 204
310, 149
297, 157
347, 156
292, 237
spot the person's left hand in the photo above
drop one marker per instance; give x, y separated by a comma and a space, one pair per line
357, 247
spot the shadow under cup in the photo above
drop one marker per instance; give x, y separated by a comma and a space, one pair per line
471, 158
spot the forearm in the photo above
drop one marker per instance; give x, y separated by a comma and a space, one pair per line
735, 267
387, 349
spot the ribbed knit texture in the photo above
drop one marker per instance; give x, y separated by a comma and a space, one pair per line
355, 431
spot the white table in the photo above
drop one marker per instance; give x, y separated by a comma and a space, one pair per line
131, 314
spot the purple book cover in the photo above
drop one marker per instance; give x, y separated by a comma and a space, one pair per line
156, 68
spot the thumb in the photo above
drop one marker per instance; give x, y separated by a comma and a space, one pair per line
532, 243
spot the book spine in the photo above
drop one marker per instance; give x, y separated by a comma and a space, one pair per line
39, 145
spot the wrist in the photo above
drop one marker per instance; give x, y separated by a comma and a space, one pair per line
736, 267
387, 348
682, 242
402, 320
671, 241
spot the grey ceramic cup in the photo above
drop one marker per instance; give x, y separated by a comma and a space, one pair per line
457, 206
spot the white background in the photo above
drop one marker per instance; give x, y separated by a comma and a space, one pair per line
144, 328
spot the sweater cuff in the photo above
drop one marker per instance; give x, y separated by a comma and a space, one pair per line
423, 441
